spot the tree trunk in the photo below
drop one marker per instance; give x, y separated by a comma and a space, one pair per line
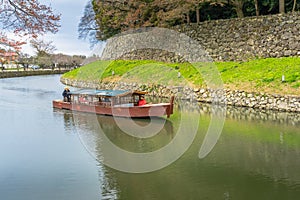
238, 4
294, 5
256, 7
198, 15
239, 12
281, 6
188, 19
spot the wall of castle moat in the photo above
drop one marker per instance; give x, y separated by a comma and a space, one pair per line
248, 38
11, 74
238, 39
230, 97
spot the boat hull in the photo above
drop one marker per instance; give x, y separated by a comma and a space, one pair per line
149, 110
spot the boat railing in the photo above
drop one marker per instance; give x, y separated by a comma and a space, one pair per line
124, 105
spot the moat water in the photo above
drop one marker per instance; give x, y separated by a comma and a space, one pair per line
58, 154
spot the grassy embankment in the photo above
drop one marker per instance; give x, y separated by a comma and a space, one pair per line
261, 75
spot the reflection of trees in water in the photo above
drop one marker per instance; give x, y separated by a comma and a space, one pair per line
69, 123
259, 156
85, 126
264, 142
109, 185
248, 148
242, 160
246, 165
89, 127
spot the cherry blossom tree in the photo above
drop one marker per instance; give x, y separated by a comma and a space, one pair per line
25, 18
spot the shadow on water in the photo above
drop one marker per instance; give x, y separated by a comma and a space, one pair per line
256, 157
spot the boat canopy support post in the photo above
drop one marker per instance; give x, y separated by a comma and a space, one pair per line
170, 109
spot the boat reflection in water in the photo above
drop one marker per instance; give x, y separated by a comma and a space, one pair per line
124, 132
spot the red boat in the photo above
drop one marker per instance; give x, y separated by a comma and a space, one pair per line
121, 103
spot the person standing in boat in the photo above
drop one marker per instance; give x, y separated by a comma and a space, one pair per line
142, 101
66, 94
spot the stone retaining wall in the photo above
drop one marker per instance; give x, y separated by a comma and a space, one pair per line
238, 39
248, 38
260, 101
254, 100
11, 74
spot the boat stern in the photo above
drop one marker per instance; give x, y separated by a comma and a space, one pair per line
60, 104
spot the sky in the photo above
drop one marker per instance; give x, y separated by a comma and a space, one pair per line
66, 39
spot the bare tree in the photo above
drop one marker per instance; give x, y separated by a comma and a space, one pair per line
25, 60
42, 47
43, 52
87, 27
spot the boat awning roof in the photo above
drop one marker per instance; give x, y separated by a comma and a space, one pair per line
106, 93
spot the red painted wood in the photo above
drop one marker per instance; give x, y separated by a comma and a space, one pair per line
148, 110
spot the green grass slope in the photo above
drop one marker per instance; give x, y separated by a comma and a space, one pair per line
261, 75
